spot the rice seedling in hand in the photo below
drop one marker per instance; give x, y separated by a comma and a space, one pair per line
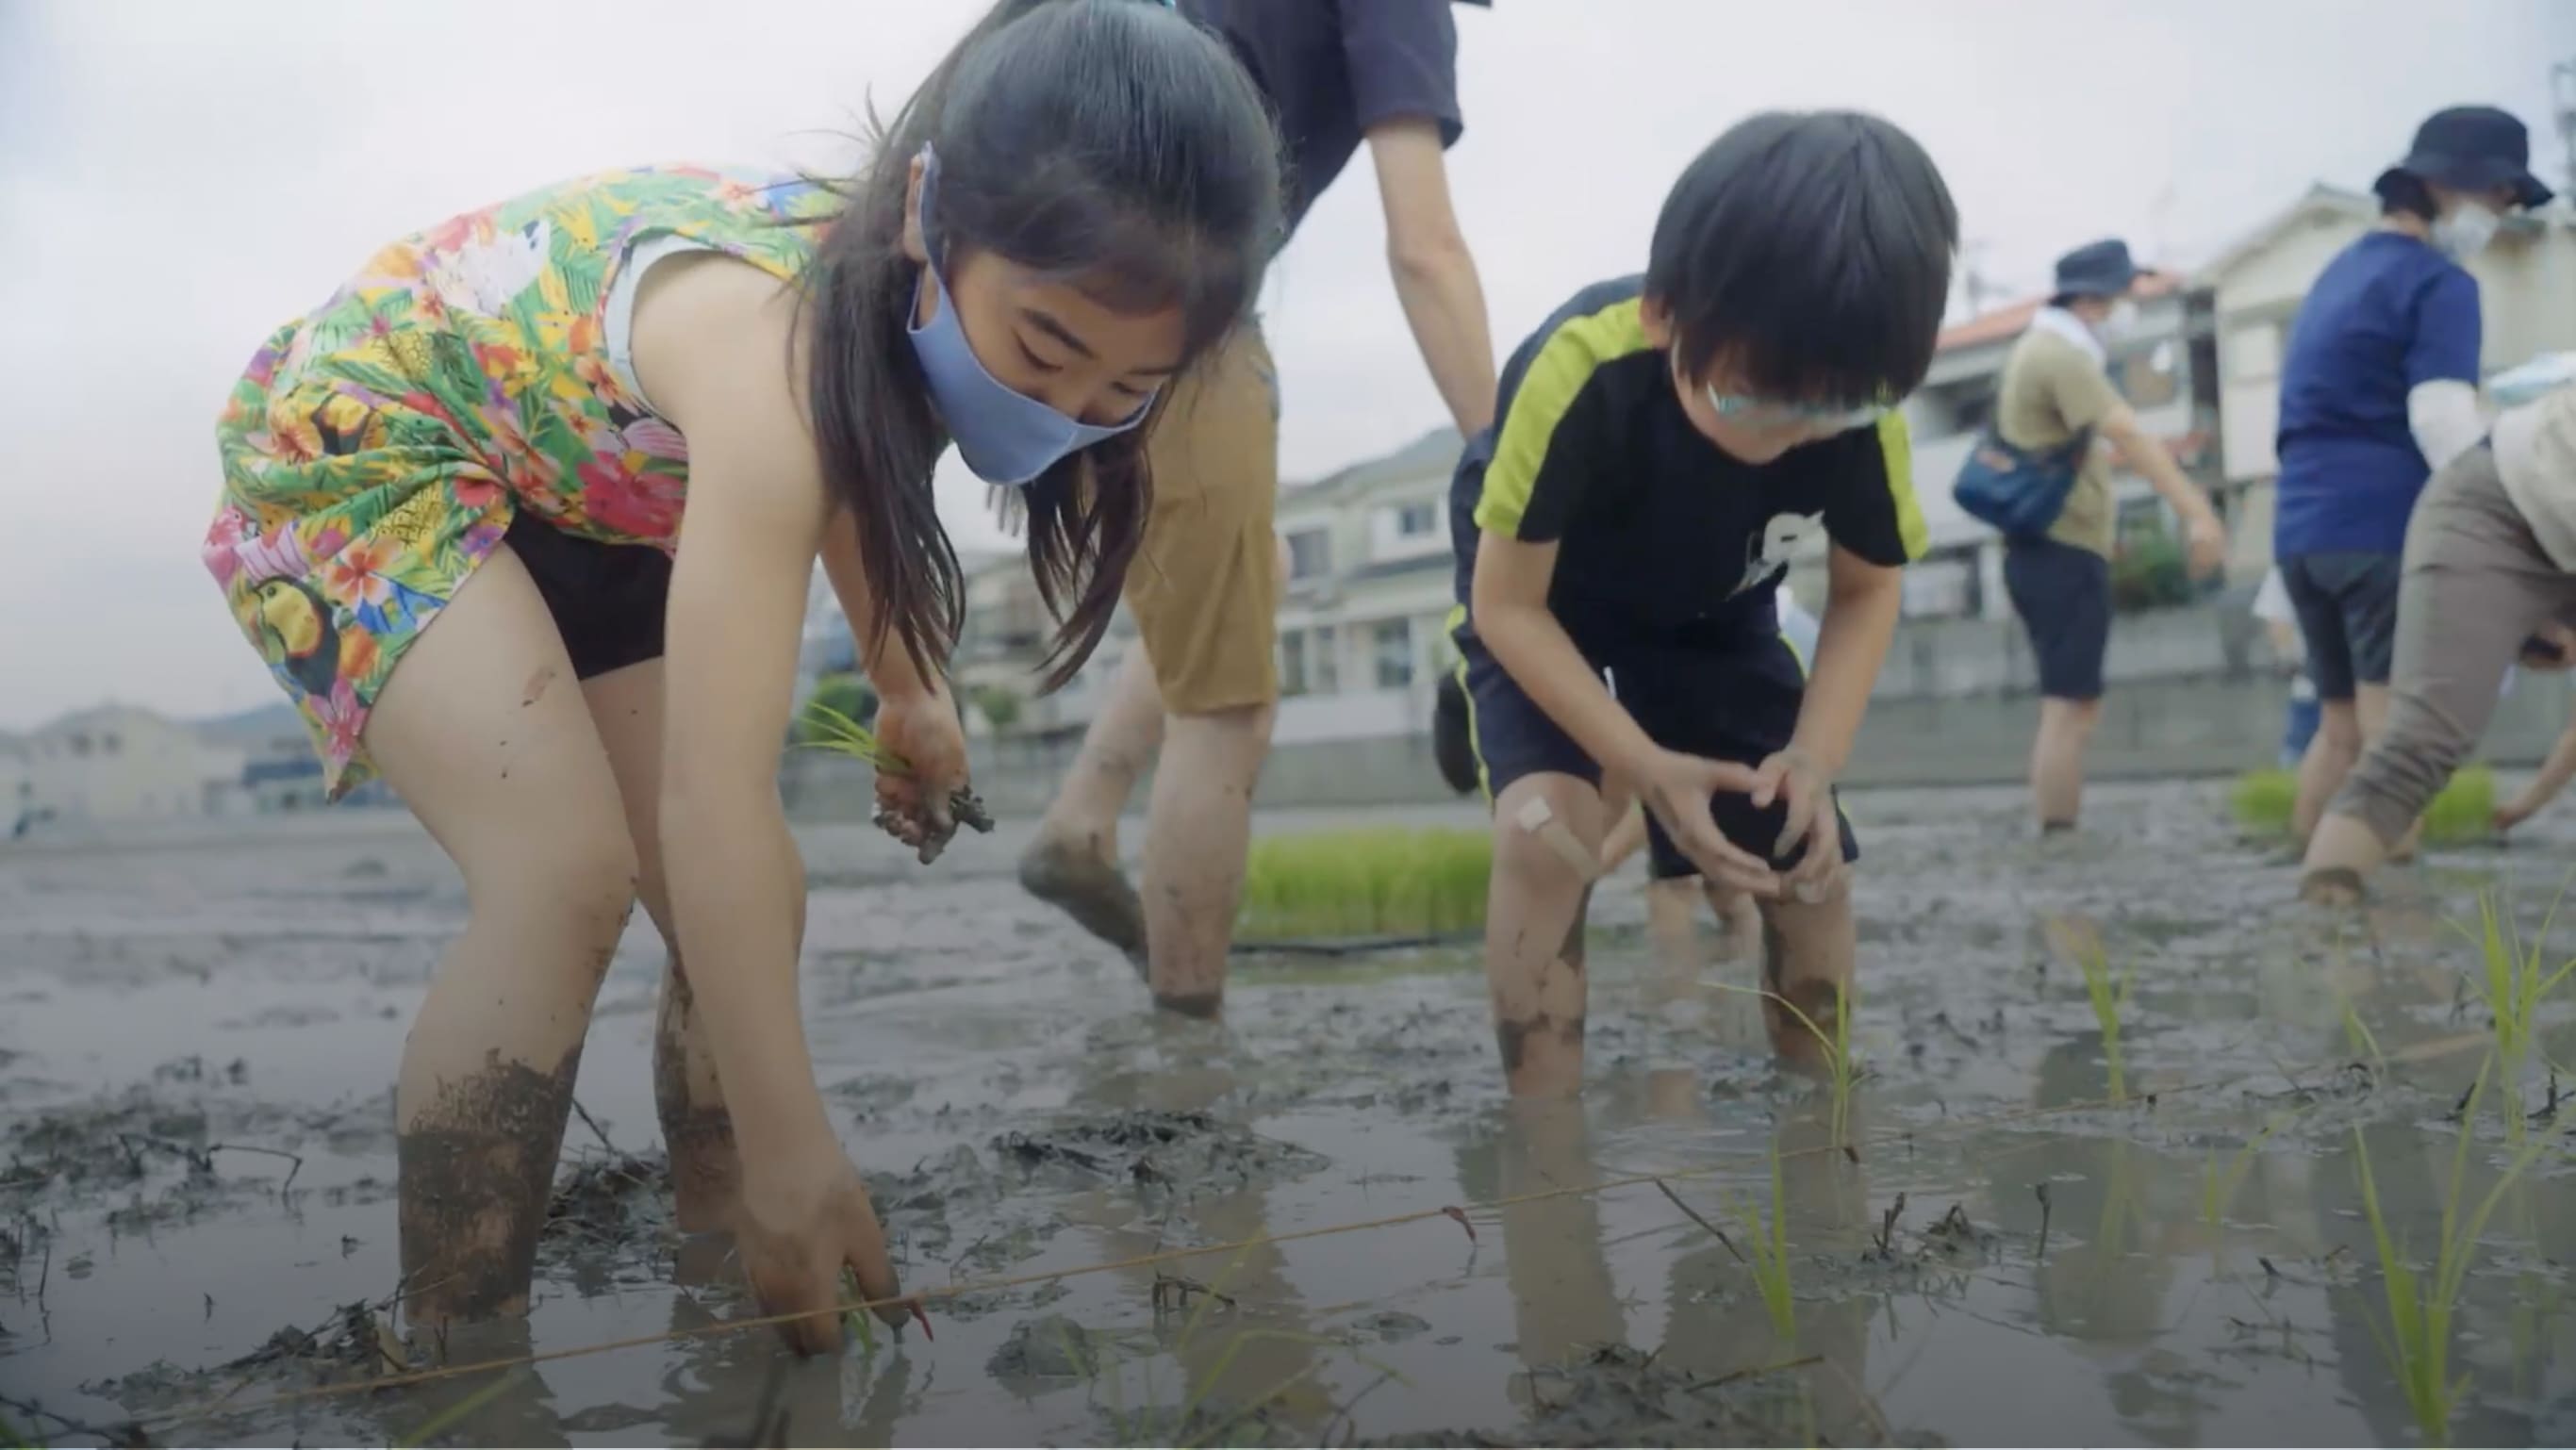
829, 729
2417, 1339
2109, 993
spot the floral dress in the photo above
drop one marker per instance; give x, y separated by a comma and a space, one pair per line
375, 451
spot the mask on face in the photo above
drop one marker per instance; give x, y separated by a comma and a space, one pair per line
2466, 231
1005, 436
2116, 325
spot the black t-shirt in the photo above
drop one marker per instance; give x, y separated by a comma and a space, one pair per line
1658, 529
1334, 68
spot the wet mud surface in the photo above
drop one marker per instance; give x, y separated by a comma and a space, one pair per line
197, 1163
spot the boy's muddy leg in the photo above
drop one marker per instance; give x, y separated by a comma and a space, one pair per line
706, 1174
1807, 954
1534, 962
484, 733
1073, 862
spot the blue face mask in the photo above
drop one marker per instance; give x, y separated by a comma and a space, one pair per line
1005, 436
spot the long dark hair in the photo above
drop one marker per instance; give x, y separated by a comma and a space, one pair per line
1107, 142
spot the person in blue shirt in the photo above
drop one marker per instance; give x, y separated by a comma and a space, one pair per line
2378, 389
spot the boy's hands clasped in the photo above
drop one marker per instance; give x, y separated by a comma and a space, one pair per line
1676, 789
1793, 778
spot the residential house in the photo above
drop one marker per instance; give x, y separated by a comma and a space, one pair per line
119, 763
2527, 294
280, 772
1363, 621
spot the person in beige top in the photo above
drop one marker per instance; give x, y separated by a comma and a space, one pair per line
2489, 577
2057, 386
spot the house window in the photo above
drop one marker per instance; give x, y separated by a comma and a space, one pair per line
1324, 661
109, 744
1292, 663
1416, 520
80, 746
1391, 645
1310, 553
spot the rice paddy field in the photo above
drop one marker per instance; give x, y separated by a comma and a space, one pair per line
2125, 1147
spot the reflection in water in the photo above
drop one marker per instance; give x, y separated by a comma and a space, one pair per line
1235, 1326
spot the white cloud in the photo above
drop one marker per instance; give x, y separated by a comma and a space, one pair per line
176, 179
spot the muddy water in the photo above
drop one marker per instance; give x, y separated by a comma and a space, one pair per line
175, 1015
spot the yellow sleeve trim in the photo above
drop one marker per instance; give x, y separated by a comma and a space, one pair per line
1565, 362
1896, 452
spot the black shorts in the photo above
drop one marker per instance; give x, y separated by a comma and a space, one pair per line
2347, 608
608, 600
1726, 700
2063, 595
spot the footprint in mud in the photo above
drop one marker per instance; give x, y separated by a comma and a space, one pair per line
1183, 1150
1050, 1348
1391, 1326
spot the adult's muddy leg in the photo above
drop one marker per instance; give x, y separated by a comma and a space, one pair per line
706, 1173
1807, 954
482, 731
1533, 937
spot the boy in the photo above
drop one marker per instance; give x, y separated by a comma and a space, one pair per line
1662, 447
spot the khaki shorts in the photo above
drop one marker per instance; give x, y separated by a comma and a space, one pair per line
1204, 588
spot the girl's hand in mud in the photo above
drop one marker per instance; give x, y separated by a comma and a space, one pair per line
797, 1225
1794, 779
1676, 788
921, 729
2511, 814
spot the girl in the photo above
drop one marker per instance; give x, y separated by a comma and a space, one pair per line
500, 424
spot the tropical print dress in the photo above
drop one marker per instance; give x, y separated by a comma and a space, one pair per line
375, 450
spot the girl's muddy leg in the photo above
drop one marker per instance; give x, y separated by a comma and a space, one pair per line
1807, 953
706, 1174
483, 732
1533, 944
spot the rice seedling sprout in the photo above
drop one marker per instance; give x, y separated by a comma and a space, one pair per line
2417, 1339
1770, 1249
2515, 982
2109, 993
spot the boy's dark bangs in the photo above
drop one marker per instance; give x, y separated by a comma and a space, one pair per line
1781, 347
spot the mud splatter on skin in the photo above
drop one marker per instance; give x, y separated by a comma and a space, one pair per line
706, 1170
535, 689
476, 1167
1513, 1036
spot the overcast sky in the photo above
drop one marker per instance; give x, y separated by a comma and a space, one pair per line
177, 179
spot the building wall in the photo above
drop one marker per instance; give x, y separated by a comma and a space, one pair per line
123, 764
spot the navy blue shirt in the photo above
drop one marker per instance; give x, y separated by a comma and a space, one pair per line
1334, 68
2388, 313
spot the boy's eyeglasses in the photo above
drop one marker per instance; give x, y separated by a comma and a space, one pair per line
1771, 413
